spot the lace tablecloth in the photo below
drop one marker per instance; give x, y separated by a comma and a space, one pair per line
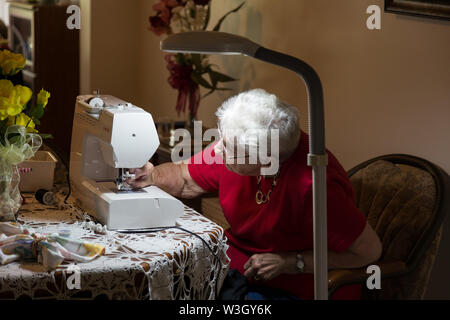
169, 264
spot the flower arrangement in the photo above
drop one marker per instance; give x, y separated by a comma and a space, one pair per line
19, 139
14, 99
187, 71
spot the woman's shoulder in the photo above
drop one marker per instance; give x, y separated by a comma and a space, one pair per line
298, 167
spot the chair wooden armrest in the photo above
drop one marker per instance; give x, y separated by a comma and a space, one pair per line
340, 277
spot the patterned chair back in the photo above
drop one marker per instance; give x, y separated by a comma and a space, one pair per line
405, 199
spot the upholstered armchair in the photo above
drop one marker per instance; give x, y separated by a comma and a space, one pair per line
405, 199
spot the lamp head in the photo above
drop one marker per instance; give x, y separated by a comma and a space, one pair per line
209, 42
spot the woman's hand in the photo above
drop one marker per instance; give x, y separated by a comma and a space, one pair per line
173, 178
266, 266
143, 176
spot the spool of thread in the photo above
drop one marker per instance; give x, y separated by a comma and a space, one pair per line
96, 102
45, 197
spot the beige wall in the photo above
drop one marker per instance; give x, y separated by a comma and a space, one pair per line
109, 47
385, 91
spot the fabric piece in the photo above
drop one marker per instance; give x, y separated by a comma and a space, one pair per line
285, 223
18, 242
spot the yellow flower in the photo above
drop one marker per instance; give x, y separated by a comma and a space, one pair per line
24, 93
11, 63
42, 98
22, 120
6, 87
9, 100
12, 98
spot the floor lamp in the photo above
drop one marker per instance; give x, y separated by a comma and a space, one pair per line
213, 42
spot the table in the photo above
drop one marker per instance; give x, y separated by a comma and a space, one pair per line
169, 264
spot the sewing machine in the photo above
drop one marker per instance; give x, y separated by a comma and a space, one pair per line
109, 136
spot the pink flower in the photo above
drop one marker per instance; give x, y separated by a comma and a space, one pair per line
158, 25
180, 79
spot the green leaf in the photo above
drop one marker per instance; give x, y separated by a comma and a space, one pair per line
202, 71
208, 93
213, 79
37, 112
220, 77
2, 129
208, 15
180, 58
200, 80
196, 60
219, 23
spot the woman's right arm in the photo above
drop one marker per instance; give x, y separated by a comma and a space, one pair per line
174, 178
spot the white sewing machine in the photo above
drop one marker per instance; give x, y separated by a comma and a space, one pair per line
109, 136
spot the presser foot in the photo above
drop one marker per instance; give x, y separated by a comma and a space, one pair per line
121, 183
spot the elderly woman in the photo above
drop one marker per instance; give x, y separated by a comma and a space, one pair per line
271, 225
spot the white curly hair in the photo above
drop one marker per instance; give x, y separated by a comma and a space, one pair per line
244, 116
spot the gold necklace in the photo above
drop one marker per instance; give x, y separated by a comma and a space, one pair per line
260, 196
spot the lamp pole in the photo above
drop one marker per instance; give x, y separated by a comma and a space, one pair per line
213, 42
317, 158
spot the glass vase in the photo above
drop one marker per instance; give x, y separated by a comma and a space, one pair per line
10, 198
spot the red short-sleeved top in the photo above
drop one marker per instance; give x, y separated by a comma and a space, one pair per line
285, 222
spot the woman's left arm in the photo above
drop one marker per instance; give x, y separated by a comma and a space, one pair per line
364, 250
